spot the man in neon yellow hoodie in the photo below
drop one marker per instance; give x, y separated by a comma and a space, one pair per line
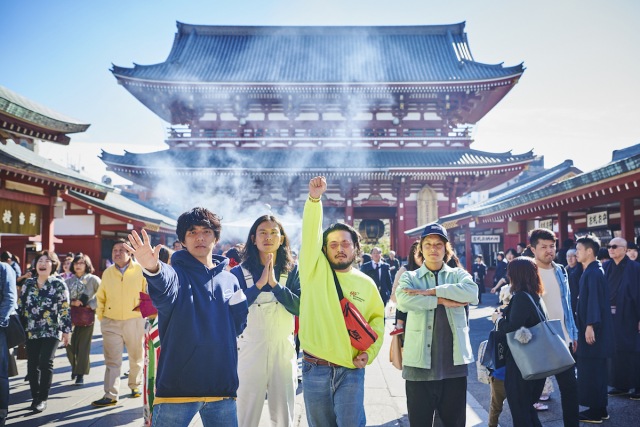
333, 370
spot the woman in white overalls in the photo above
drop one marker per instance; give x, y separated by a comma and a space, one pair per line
267, 360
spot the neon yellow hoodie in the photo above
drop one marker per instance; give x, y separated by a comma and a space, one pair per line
322, 329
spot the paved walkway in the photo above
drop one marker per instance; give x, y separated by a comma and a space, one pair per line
385, 399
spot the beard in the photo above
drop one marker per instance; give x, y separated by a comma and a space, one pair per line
342, 263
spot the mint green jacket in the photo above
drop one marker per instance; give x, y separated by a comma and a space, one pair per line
454, 284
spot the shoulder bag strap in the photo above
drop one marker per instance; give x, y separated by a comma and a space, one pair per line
542, 316
338, 287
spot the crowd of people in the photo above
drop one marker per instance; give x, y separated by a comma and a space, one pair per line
246, 315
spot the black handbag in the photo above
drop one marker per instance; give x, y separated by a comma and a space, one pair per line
495, 355
15, 332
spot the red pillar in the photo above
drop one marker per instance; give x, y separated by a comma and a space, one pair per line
46, 228
524, 233
563, 226
469, 257
626, 220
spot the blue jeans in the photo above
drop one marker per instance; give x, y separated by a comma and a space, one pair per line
4, 370
213, 414
333, 397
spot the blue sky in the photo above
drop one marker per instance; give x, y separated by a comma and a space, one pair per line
578, 98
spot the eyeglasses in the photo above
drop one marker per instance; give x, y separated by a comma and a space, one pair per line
614, 247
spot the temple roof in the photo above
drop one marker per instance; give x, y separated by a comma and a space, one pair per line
24, 118
319, 54
516, 191
123, 206
19, 161
292, 161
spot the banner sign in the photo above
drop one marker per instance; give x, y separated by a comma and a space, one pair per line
20, 218
597, 219
546, 223
485, 239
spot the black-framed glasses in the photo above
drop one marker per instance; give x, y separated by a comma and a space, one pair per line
614, 247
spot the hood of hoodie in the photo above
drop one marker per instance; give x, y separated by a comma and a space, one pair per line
185, 260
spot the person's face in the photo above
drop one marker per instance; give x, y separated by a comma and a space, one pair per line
66, 265
478, 260
617, 249
632, 254
177, 245
376, 255
120, 255
582, 255
572, 260
519, 249
544, 251
199, 241
433, 249
44, 266
268, 238
340, 250
79, 267
509, 256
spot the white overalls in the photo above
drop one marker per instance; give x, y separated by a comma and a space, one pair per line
267, 361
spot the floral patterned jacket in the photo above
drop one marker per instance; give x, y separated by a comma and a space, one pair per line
84, 289
45, 312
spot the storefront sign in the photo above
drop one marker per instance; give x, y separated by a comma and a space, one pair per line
19, 218
546, 223
485, 239
597, 219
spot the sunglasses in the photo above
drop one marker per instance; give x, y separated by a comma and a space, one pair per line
614, 247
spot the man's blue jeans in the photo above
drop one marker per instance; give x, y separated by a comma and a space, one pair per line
213, 414
4, 370
333, 397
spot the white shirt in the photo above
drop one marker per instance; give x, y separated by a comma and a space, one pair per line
553, 298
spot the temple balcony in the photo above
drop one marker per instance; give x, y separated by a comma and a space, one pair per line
311, 138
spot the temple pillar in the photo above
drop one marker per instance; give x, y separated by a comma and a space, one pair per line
626, 220
46, 226
563, 226
348, 211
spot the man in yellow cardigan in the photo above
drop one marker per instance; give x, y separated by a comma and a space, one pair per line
118, 295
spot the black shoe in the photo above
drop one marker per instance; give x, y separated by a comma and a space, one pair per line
634, 396
33, 405
41, 406
588, 416
73, 377
617, 392
79, 380
105, 401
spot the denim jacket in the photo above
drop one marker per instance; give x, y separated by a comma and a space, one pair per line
563, 280
7, 293
453, 283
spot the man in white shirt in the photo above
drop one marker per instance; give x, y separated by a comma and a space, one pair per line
557, 299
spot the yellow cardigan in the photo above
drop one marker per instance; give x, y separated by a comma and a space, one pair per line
119, 293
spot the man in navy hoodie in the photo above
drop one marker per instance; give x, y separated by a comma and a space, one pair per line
201, 310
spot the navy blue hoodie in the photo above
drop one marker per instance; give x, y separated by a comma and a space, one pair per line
198, 326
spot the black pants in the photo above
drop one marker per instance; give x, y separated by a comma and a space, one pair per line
448, 397
521, 395
40, 355
568, 386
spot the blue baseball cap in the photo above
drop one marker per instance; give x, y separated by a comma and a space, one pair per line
436, 229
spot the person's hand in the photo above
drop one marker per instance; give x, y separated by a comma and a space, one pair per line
76, 303
590, 335
496, 315
425, 292
450, 303
493, 290
268, 274
575, 346
317, 186
65, 339
146, 255
360, 361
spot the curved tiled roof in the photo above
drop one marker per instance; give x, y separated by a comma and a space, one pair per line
25, 109
323, 54
293, 161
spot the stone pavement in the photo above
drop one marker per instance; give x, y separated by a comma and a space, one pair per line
385, 399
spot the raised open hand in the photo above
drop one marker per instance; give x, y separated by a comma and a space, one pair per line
145, 254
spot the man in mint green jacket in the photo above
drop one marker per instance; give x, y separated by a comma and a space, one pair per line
437, 348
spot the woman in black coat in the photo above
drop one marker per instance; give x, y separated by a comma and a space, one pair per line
522, 394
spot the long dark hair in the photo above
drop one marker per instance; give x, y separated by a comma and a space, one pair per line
411, 262
523, 276
251, 256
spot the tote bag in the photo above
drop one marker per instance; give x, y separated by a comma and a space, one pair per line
545, 354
